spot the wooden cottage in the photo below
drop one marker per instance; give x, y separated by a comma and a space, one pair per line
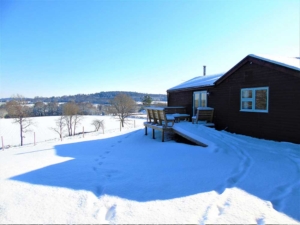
193, 93
258, 97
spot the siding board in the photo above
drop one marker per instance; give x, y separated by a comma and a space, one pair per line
281, 123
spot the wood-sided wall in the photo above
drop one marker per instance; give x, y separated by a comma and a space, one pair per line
281, 123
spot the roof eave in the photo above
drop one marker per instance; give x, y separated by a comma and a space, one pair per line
190, 88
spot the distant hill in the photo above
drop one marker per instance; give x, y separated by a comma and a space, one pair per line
97, 98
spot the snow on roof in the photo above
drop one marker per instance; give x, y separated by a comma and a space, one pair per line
200, 81
290, 62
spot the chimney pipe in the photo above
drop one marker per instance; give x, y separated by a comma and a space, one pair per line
204, 70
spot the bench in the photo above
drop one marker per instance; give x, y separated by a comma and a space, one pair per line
204, 116
157, 119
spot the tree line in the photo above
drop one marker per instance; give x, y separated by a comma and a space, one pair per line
96, 98
40, 108
52, 108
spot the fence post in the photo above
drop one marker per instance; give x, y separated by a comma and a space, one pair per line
2, 143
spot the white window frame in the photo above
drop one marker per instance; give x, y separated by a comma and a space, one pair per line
199, 92
253, 100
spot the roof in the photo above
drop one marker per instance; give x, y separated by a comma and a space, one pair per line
289, 62
211, 80
201, 81
292, 64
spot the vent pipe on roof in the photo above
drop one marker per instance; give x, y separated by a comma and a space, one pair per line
204, 70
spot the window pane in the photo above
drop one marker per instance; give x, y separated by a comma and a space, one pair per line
196, 100
247, 94
246, 105
203, 99
199, 100
261, 99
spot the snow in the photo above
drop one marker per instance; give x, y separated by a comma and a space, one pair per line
290, 62
200, 81
204, 108
122, 177
41, 128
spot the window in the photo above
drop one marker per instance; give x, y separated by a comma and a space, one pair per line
200, 100
254, 99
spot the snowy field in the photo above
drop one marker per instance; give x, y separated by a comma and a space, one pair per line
41, 131
123, 177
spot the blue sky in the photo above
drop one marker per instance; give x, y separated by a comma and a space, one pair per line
53, 48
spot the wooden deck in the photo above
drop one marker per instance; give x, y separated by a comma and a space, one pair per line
187, 135
157, 119
196, 133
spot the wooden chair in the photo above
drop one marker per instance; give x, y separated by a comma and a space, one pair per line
161, 122
204, 116
150, 116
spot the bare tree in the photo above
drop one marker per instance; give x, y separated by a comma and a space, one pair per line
60, 126
71, 116
77, 119
19, 111
98, 124
123, 105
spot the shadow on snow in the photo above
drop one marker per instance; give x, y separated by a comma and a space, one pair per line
136, 167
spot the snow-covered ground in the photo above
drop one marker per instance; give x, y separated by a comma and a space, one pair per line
41, 131
127, 177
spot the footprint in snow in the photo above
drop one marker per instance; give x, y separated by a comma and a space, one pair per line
242, 170
205, 216
222, 208
111, 213
260, 221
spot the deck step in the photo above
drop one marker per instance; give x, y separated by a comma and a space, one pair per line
188, 135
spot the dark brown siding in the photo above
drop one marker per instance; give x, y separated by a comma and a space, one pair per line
281, 123
182, 98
